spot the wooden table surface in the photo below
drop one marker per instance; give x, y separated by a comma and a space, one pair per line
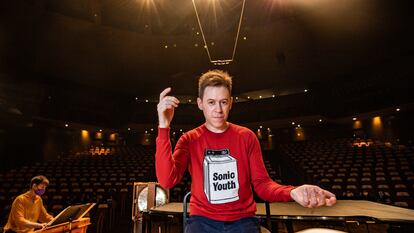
343, 208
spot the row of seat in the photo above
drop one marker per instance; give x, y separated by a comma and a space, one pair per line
82, 178
79, 179
353, 172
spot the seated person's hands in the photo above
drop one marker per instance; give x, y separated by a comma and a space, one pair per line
41, 226
312, 196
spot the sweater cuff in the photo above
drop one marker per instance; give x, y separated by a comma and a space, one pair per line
164, 133
290, 190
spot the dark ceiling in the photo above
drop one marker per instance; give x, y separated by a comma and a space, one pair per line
138, 47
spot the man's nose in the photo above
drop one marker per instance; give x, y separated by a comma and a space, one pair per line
219, 108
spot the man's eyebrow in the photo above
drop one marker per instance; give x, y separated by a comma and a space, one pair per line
218, 100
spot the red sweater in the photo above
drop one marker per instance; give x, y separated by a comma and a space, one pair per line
223, 167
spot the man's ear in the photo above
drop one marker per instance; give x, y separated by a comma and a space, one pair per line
231, 102
200, 103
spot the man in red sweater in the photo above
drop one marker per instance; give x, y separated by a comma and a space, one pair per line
224, 161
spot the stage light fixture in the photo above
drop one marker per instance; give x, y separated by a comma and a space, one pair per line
203, 34
146, 195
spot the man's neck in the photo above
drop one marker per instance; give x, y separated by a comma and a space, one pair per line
32, 194
217, 130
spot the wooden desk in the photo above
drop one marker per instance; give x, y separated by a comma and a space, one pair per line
345, 211
77, 226
341, 211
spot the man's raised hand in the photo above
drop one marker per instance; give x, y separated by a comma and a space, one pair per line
166, 108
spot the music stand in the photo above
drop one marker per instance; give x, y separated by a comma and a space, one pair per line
71, 213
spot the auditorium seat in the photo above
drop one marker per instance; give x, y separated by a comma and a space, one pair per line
401, 204
402, 194
366, 187
370, 166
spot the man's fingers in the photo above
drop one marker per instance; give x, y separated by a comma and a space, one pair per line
171, 99
328, 194
164, 93
312, 198
331, 201
167, 104
305, 198
321, 198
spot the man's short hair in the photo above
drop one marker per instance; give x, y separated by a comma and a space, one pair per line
39, 180
215, 78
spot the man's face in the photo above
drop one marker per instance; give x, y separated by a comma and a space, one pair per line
41, 186
39, 189
216, 105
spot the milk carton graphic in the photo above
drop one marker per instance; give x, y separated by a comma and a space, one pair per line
221, 183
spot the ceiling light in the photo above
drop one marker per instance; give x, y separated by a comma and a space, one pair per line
244, 38
236, 39
146, 101
397, 109
306, 90
260, 96
66, 125
273, 96
293, 122
354, 118
320, 120
129, 129
166, 46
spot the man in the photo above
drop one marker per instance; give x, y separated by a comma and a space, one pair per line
225, 161
27, 209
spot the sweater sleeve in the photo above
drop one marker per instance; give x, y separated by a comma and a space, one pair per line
264, 186
169, 166
17, 213
44, 216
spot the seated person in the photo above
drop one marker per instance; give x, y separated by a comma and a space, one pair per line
27, 212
